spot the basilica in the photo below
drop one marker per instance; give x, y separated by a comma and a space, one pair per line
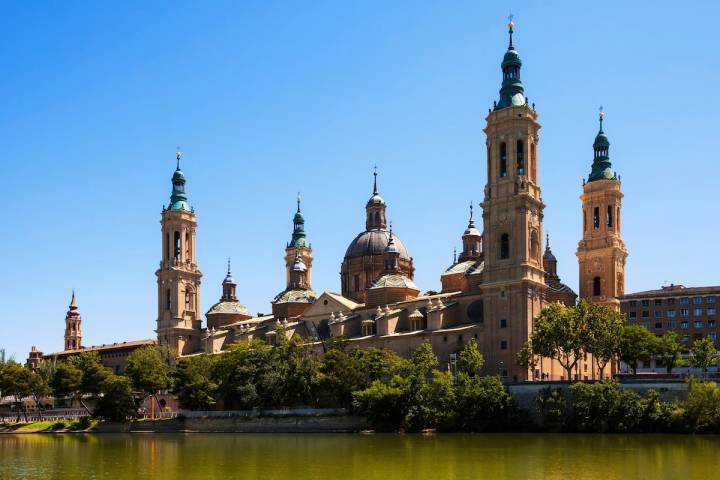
492, 292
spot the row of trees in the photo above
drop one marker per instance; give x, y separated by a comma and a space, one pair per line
567, 334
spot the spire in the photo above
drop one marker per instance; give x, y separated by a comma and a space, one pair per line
471, 223
601, 166
73, 302
375, 190
549, 260
178, 198
512, 92
375, 208
391, 254
454, 255
229, 286
298, 236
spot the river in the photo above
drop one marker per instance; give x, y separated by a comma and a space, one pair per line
350, 456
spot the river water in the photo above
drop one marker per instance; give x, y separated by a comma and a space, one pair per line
367, 457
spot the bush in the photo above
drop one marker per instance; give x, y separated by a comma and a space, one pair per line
117, 402
484, 404
605, 407
383, 404
552, 407
701, 411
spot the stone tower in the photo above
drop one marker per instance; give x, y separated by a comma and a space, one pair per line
73, 333
298, 243
601, 252
178, 321
513, 278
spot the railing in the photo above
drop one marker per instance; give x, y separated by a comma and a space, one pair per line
275, 412
35, 416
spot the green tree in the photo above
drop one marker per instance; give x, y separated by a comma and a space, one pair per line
483, 404
194, 385
297, 366
338, 376
526, 358
470, 360
603, 334
703, 354
117, 402
149, 370
66, 382
79, 376
636, 344
16, 382
39, 389
559, 333
383, 404
669, 349
605, 407
701, 410
423, 360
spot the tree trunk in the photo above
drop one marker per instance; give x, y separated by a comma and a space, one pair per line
84, 406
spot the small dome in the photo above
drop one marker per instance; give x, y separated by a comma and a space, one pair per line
373, 242
394, 281
471, 230
295, 296
298, 218
178, 175
601, 141
548, 255
229, 279
391, 247
511, 58
298, 266
235, 308
376, 199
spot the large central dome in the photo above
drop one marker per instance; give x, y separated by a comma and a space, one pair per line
373, 242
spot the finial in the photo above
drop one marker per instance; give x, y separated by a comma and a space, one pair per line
73, 302
471, 211
454, 255
510, 28
178, 154
601, 116
547, 240
375, 174
228, 265
391, 233
298, 201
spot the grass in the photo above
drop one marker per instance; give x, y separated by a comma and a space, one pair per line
53, 426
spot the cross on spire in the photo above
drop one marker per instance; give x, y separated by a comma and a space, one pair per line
510, 27
178, 154
601, 116
298, 201
228, 266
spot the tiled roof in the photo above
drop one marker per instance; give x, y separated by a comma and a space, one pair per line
296, 296
104, 348
228, 307
394, 281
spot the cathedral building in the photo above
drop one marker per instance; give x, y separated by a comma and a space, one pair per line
492, 292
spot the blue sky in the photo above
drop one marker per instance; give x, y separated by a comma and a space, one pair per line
270, 98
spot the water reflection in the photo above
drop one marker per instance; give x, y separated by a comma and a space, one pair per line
387, 457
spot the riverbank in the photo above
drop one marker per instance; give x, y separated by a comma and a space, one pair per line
271, 424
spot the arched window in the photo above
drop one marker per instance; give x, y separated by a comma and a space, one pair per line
176, 250
167, 246
609, 218
597, 290
187, 246
503, 160
596, 218
504, 246
189, 299
167, 299
520, 154
533, 165
584, 220
377, 218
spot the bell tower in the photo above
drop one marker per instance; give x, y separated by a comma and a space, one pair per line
601, 252
513, 278
298, 244
178, 278
73, 333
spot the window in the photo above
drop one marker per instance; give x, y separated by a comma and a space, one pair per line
167, 299
670, 313
633, 315
633, 303
684, 300
167, 246
597, 290
504, 246
712, 336
646, 303
711, 312
503, 323
503, 160
596, 218
683, 325
658, 325
520, 158
697, 312
710, 299
697, 300
683, 312
646, 325
686, 338
658, 313
672, 324
645, 314
711, 324
671, 301
609, 216
658, 301
503, 344
176, 250
698, 324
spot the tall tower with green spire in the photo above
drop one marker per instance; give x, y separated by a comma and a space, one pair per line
298, 245
178, 277
601, 252
513, 279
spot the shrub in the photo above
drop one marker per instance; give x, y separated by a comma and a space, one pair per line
552, 407
701, 410
605, 407
483, 404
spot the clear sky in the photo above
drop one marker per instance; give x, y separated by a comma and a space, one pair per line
270, 98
